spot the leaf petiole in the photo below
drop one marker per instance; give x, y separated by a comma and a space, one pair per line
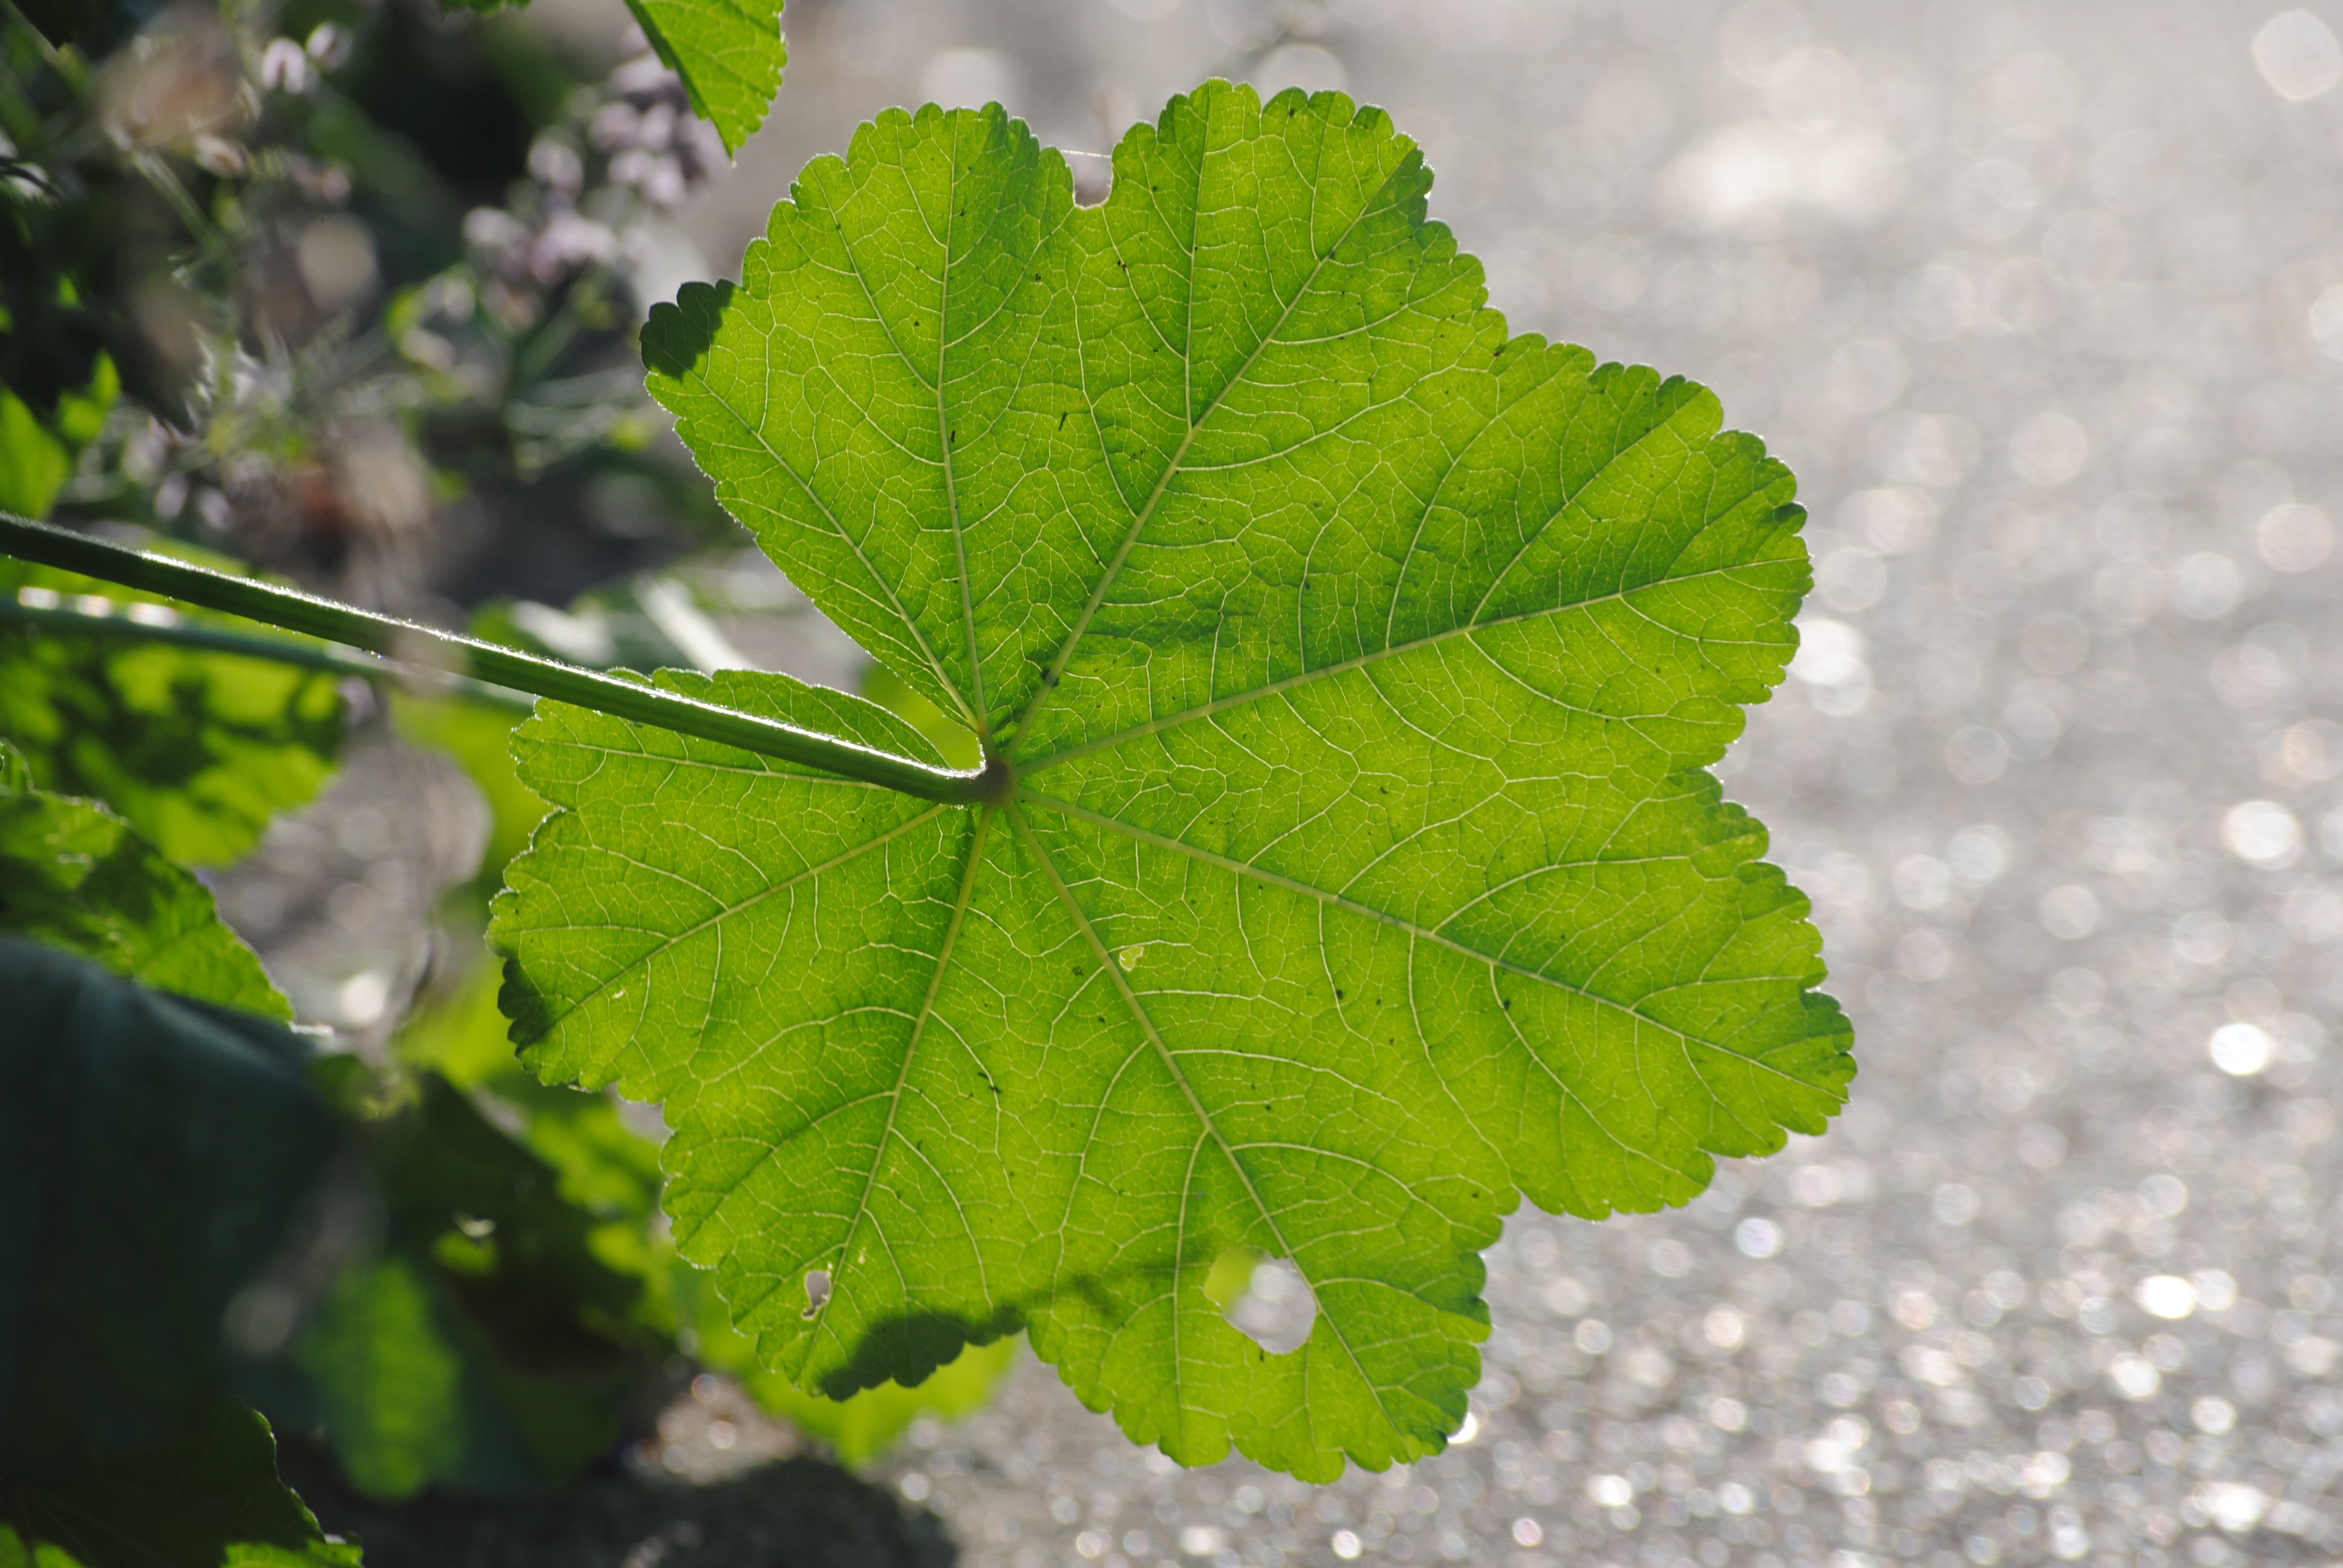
244, 645
431, 648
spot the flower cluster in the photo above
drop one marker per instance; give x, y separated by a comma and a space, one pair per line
287, 66
652, 152
654, 144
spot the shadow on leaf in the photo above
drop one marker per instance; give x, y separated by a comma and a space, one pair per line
679, 335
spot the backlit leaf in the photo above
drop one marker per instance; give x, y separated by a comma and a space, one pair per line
1358, 668
862, 1426
729, 53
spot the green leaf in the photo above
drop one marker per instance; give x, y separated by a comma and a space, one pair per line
448, 1172
411, 1391
208, 1497
729, 54
76, 876
611, 1171
489, 1347
152, 1151
607, 1169
36, 457
1355, 667
197, 749
34, 462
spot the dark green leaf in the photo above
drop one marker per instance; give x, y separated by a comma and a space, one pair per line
487, 1348
208, 1498
151, 1152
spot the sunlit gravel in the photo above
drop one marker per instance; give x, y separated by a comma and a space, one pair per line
2045, 304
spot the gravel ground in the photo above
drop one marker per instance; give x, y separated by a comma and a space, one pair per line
2044, 302
2028, 294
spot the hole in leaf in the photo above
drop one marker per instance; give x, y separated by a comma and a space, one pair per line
1264, 1299
816, 1291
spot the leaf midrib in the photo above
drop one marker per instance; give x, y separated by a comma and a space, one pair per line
895, 1100
935, 665
1373, 656
1139, 1013
1048, 683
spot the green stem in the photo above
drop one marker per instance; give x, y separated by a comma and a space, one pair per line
218, 639
434, 649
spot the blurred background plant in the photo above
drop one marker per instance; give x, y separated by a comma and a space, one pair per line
332, 286
346, 291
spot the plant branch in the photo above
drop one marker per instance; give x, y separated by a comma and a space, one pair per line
433, 650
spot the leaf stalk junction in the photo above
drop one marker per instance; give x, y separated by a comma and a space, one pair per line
426, 648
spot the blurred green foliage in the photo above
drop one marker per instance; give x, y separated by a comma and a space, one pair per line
482, 1346
476, 736
197, 748
207, 1498
37, 456
286, 278
153, 1152
865, 1425
76, 877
